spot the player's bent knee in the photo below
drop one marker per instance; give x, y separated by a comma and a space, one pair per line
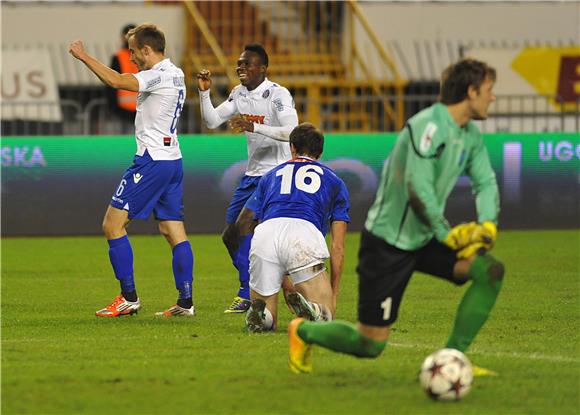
163, 230
110, 229
495, 269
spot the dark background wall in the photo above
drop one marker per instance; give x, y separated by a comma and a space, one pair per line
62, 185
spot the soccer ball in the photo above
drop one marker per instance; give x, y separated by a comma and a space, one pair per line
446, 375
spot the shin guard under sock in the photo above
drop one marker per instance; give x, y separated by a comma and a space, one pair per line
487, 276
340, 336
183, 270
121, 257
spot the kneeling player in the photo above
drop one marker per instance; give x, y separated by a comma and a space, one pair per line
294, 202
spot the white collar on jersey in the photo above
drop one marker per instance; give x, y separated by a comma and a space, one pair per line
160, 63
260, 88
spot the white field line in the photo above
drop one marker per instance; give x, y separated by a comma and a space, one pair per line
529, 356
426, 347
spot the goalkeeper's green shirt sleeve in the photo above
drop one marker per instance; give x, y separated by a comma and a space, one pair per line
420, 179
483, 182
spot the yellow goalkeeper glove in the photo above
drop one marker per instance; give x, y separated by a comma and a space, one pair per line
460, 236
472, 249
482, 240
486, 233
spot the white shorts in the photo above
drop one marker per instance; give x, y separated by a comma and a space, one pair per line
283, 246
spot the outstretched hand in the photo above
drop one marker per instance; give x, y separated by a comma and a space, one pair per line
204, 80
77, 49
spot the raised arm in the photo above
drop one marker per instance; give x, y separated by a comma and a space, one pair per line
212, 117
107, 75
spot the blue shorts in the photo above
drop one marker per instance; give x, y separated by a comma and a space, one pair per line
150, 185
241, 196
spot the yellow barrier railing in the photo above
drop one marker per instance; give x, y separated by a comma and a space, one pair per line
304, 40
210, 39
399, 84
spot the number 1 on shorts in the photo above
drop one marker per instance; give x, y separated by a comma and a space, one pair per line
386, 306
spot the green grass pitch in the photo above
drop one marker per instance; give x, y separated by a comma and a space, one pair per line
58, 358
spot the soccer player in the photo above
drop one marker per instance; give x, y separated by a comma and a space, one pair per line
265, 112
154, 182
295, 202
406, 230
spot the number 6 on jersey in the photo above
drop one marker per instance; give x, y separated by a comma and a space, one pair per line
311, 172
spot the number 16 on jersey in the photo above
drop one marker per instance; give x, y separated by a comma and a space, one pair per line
307, 178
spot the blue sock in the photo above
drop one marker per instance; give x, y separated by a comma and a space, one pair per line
243, 265
183, 268
121, 256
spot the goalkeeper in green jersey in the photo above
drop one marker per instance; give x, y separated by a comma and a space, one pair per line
406, 231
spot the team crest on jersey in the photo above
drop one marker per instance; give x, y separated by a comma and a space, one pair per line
266, 94
427, 137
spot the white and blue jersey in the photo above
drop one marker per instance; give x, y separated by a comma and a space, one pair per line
154, 183
304, 189
271, 108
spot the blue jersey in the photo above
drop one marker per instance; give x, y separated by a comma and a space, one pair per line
305, 189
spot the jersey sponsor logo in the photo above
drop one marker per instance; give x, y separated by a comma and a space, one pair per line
258, 119
266, 94
137, 177
278, 104
427, 137
153, 82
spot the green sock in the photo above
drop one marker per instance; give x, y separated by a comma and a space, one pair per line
340, 336
487, 275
